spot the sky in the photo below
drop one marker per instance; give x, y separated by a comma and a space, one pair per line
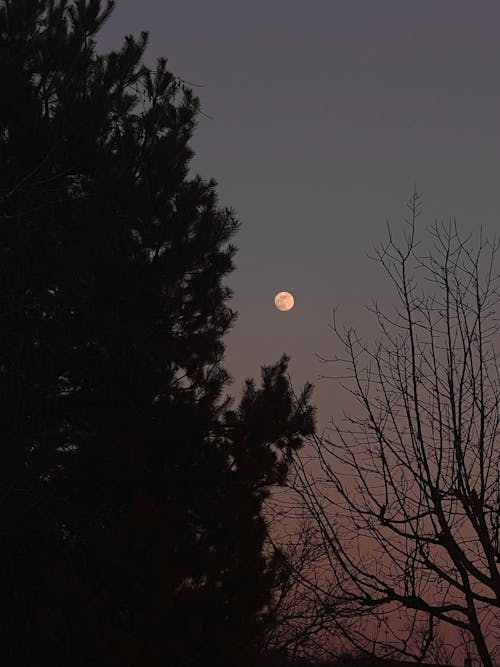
320, 117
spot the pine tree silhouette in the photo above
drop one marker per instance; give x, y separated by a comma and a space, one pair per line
131, 523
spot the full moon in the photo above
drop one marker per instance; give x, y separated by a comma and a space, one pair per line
284, 301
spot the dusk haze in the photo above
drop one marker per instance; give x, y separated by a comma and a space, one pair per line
249, 322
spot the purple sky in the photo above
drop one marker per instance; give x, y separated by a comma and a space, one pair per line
324, 114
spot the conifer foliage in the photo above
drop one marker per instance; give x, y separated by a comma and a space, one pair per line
131, 495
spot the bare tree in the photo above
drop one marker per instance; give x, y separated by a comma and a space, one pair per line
305, 619
297, 617
406, 490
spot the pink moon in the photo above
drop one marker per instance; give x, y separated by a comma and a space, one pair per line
284, 301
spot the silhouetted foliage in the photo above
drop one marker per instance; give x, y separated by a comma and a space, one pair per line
131, 525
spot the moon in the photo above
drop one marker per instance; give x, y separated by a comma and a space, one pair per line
284, 301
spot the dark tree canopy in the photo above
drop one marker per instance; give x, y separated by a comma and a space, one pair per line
131, 525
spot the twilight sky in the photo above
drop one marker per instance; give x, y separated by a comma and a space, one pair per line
323, 115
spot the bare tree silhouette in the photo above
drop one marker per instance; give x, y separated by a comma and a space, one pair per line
297, 618
406, 491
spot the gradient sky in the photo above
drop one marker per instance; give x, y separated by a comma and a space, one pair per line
323, 115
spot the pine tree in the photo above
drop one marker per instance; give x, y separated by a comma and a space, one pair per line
131, 522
